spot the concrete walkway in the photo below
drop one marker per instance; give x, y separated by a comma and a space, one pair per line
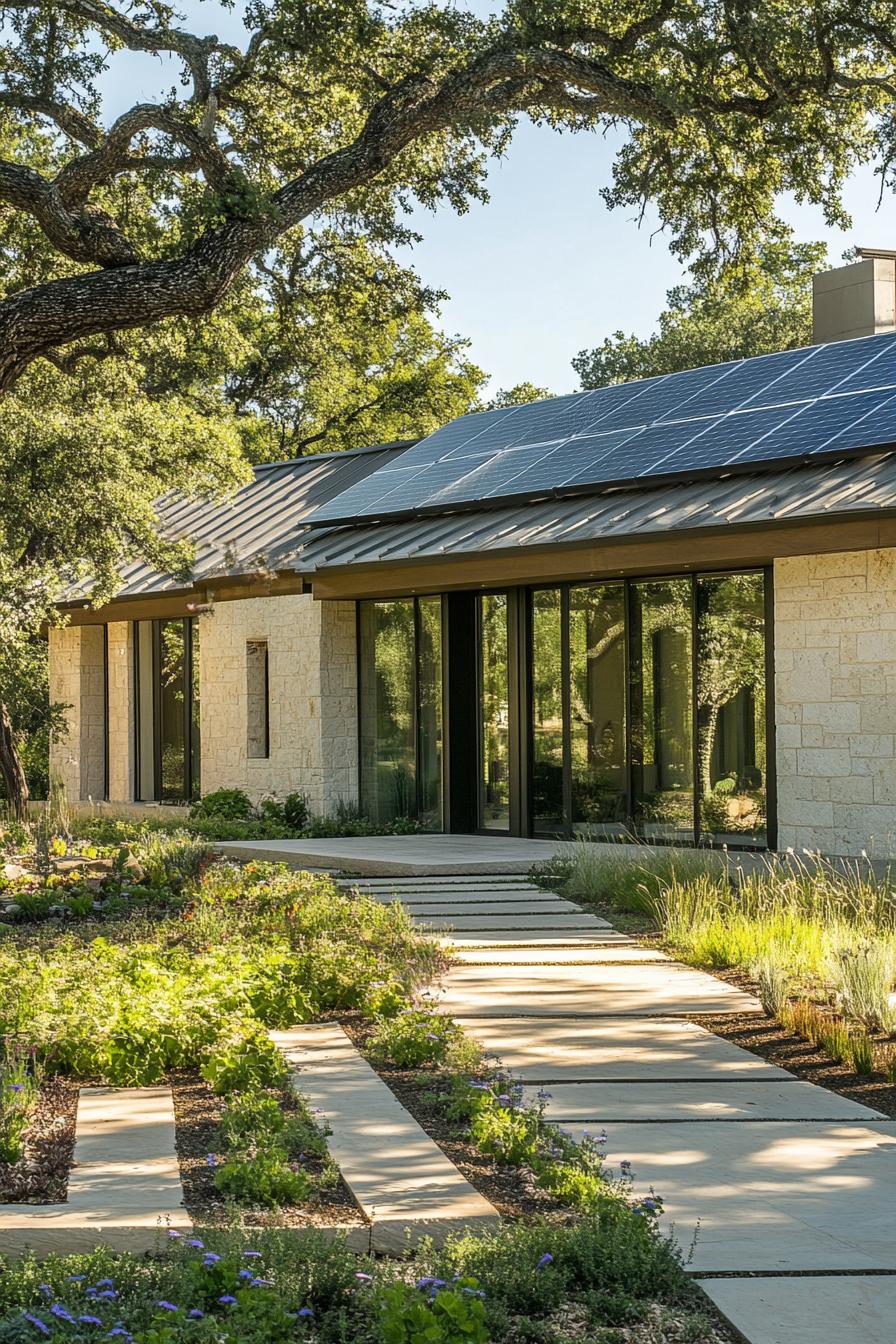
788, 1187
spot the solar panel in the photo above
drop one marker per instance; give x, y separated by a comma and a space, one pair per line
839, 397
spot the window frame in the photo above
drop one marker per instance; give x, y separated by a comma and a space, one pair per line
190, 673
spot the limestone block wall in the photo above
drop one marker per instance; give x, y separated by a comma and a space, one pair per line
77, 679
121, 711
835, 683
312, 698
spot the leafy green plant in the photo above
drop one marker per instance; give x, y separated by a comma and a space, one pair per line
19, 1082
296, 810
863, 978
433, 1312
227, 804
414, 1038
244, 1057
263, 1178
860, 1054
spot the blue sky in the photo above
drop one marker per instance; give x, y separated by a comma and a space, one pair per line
544, 269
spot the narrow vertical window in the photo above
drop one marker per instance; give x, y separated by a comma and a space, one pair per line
258, 742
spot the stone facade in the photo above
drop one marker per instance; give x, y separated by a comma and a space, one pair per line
312, 716
77, 679
835, 678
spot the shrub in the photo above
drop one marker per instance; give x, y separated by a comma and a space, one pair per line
433, 1312
414, 1038
886, 1062
19, 1082
263, 1178
863, 979
772, 974
229, 804
296, 810
860, 1054
244, 1057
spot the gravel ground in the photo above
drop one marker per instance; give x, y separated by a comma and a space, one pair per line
41, 1175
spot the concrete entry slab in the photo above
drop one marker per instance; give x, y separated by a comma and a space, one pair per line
593, 991
399, 1176
834, 1309
615, 1050
654, 1102
124, 1189
770, 1196
410, 855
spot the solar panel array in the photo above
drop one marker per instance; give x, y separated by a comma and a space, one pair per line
820, 400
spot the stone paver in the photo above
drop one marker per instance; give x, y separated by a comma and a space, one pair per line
621, 950
502, 923
400, 1178
609, 1103
124, 1189
615, 1050
842, 1308
545, 908
770, 1196
589, 991
515, 938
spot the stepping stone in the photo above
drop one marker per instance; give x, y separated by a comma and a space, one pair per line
722, 1100
770, 1196
564, 939
445, 884
542, 900
124, 1189
401, 1179
626, 951
817, 1310
636, 1050
517, 906
533, 923
590, 991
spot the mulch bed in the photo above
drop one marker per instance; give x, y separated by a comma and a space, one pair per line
421, 1093
197, 1114
41, 1175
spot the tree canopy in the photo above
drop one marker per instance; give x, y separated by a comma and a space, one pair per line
725, 316
336, 114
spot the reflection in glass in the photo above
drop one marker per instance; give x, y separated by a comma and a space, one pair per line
146, 769
388, 756
547, 712
172, 708
597, 709
494, 745
195, 753
429, 672
662, 748
731, 707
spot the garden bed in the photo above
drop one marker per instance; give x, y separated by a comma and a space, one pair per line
198, 1112
40, 1176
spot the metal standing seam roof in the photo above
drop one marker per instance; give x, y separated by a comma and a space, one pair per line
796, 494
259, 526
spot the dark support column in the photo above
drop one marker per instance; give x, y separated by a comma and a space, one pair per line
518, 648
461, 714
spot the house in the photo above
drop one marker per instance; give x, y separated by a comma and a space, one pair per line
666, 607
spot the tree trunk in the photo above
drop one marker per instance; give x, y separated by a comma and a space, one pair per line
707, 722
11, 767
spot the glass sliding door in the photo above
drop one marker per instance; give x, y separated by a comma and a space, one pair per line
548, 793
662, 730
400, 701
731, 729
597, 710
166, 670
494, 713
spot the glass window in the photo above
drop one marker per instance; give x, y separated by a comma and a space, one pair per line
597, 678
167, 710
257, 725
494, 730
547, 712
731, 765
429, 676
401, 709
662, 720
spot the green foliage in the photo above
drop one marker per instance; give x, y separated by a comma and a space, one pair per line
414, 1038
619, 881
228, 804
433, 1312
244, 1057
734, 314
262, 1179
19, 1082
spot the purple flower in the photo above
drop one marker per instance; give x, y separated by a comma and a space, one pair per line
227, 1300
108, 1294
172, 1233
36, 1322
76, 1278
167, 1306
62, 1313
119, 1332
105, 1283
546, 1259
90, 1320
211, 1160
197, 1244
210, 1259
195, 1314
304, 1313
252, 1255
261, 1283
246, 1274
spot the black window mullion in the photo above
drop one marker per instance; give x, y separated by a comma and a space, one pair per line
771, 777
188, 709
695, 703
418, 717
157, 710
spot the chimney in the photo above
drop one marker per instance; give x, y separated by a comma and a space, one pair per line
855, 300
